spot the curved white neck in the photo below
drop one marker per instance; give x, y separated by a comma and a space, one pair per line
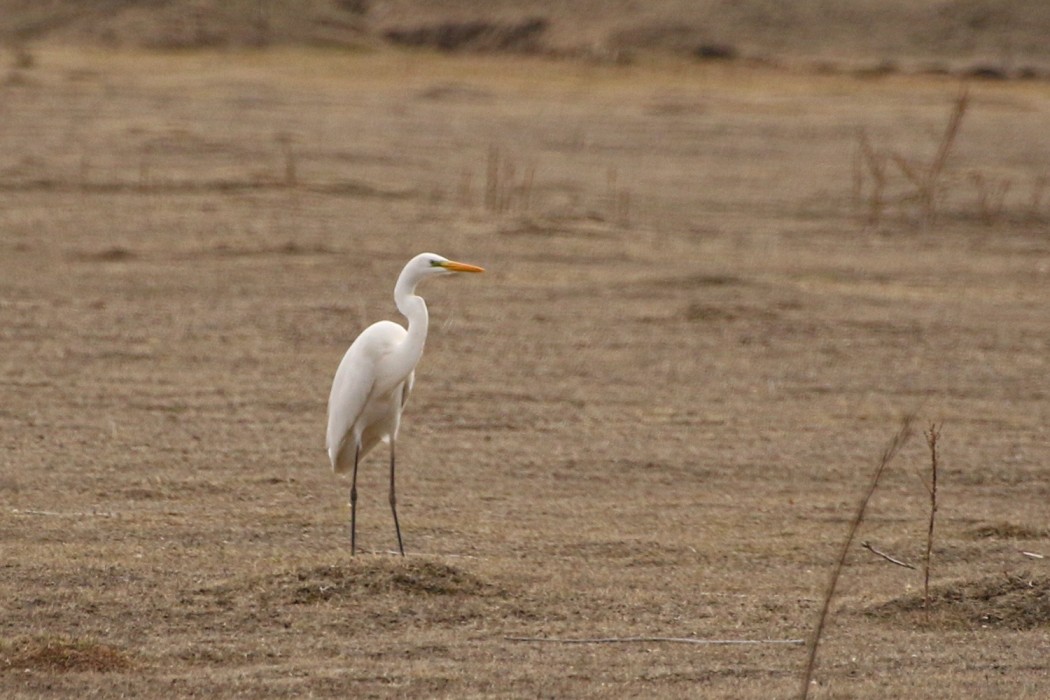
414, 309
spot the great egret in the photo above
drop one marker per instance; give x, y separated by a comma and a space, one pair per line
375, 378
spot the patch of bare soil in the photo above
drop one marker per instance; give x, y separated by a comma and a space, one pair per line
1014, 601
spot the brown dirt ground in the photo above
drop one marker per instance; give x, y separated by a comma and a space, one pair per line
653, 415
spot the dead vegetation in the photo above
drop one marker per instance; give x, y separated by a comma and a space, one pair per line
895, 445
1016, 601
933, 435
524, 36
923, 188
887, 181
1008, 531
378, 577
650, 424
62, 655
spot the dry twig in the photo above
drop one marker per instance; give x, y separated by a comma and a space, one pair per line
931, 439
492, 183
501, 183
69, 514
927, 190
1035, 202
895, 445
991, 197
868, 546
876, 163
286, 142
632, 640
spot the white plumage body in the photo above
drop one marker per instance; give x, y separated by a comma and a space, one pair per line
368, 394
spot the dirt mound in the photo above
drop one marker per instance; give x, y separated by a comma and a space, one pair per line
414, 578
1009, 602
61, 654
385, 591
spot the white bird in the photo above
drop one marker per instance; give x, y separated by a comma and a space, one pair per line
375, 378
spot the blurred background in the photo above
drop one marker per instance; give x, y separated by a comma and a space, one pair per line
993, 38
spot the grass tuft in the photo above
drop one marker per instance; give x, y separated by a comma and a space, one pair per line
63, 654
1007, 601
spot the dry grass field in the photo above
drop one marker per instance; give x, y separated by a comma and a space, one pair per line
653, 416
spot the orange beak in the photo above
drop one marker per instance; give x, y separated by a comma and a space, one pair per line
453, 266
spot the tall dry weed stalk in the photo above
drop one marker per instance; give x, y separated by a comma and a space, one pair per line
991, 197
464, 190
892, 449
502, 186
618, 198
932, 435
1035, 202
924, 179
927, 181
286, 143
869, 159
492, 183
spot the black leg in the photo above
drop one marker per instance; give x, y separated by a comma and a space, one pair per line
353, 503
393, 500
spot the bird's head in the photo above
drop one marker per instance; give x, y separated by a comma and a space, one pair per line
424, 266
430, 264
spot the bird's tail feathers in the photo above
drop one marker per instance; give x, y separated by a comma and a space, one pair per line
340, 463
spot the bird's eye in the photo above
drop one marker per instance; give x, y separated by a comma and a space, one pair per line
435, 263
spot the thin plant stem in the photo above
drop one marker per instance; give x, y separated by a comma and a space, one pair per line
931, 439
895, 445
